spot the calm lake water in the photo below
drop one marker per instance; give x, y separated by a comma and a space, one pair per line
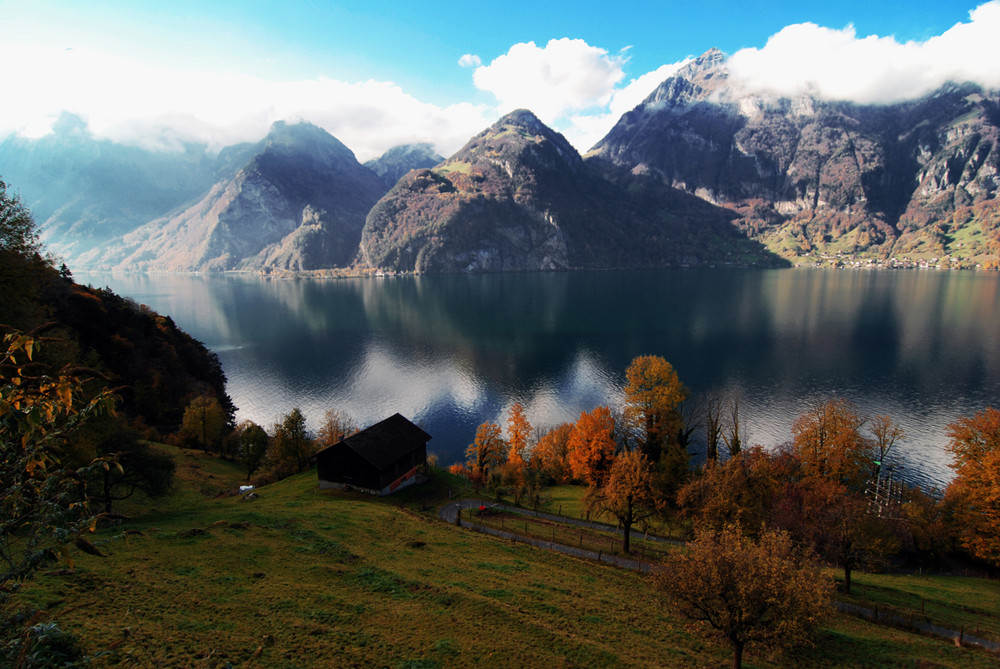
450, 352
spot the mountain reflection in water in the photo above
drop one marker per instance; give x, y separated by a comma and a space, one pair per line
453, 351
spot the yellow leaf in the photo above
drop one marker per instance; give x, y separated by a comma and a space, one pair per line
66, 555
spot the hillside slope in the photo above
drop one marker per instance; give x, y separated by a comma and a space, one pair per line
316, 578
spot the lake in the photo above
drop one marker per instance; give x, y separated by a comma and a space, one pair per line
453, 351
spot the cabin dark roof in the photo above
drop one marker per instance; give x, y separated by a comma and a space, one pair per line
385, 442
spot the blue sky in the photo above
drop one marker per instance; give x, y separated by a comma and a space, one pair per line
377, 73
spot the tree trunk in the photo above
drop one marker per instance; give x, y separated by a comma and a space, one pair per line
847, 578
627, 528
737, 655
107, 492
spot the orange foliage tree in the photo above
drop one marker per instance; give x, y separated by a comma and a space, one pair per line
757, 594
837, 523
551, 454
975, 447
629, 494
653, 395
518, 431
828, 441
591, 446
486, 452
744, 489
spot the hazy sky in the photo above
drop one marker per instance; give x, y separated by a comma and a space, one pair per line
376, 73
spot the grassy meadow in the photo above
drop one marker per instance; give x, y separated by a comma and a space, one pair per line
302, 577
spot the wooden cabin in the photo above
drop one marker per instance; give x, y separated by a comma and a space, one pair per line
380, 459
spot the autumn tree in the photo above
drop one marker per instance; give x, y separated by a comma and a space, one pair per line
335, 426
827, 440
551, 454
931, 526
291, 445
713, 428
486, 452
629, 494
756, 594
836, 522
518, 433
653, 395
733, 432
742, 490
44, 507
204, 423
253, 444
885, 432
975, 448
592, 446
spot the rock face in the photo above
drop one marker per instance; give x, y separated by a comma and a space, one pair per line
299, 203
810, 175
518, 196
399, 160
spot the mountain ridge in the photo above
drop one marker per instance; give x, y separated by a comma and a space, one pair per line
811, 180
297, 204
809, 176
519, 197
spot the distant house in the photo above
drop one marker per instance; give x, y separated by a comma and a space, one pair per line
381, 458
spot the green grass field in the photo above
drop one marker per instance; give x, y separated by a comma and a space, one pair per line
301, 577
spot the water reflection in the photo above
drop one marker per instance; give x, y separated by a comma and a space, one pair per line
453, 351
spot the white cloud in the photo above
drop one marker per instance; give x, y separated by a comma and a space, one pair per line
572, 86
470, 60
838, 64
567, 75
585, 130
135, 103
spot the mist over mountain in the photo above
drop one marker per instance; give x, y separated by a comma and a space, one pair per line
84, 191
298, 203
399, 160
703, 171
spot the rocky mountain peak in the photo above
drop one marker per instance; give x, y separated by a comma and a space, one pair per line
399, 160
712, 59
520, 137
695, 81
303, 138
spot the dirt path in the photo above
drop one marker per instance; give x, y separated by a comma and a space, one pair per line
449, 512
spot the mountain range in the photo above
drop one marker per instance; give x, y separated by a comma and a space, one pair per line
807, 176
701, 172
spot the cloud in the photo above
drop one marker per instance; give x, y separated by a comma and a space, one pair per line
570, 85
135, 103
470, 60
587, 129
566, 75
838, 64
